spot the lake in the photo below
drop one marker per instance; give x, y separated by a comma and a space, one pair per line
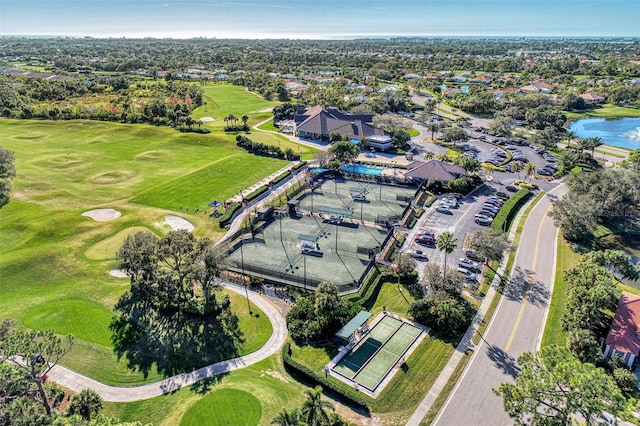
622, 132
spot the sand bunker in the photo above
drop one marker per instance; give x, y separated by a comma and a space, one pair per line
178, 223
102, 215
206, 119
118, 273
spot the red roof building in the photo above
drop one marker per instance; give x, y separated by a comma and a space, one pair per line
624, 335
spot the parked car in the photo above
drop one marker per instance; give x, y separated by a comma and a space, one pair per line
502, 194
426, 239
551, 166
417, 254
511, 188
483, 220
488, 213
490, 207
474, 255
444, 209
467, 274
544, 172
468, 264
497, 199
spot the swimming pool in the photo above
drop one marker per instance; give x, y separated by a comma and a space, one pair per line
363, 170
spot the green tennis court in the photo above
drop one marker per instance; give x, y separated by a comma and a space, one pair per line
371, 359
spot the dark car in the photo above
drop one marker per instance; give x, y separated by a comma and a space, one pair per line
502, 194
544, 172
511, 188
474, 255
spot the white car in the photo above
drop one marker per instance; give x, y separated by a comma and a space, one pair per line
468, 264
443, 209
468, 275
417, 254
483, 220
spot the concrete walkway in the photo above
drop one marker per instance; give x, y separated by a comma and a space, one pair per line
77, 382
466, 342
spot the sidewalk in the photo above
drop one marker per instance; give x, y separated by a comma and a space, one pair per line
77, 382
467, 340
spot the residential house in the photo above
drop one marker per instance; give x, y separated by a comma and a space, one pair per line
624, 335
592, 98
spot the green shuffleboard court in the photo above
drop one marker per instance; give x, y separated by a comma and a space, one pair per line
370, 361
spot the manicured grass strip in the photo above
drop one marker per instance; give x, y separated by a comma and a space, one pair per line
214, 409
446, 390
222, 179
566, 258
508, 211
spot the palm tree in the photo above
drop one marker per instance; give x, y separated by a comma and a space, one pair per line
446, 242
530, 169
570, 136
595, 142
314, 408
287, 418
428, 155
433, 127
516, 167
244, 119
86, 403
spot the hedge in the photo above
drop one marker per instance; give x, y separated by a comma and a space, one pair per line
228, 214
508, 211
261, 190
300, 165
432, 198
282, 177
333, 385
368, 289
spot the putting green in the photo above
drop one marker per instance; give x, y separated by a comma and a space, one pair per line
83, 318
107, 248
224, 407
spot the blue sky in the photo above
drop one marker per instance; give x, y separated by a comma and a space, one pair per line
319, 19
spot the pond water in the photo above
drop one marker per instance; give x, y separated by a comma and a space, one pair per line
621, 132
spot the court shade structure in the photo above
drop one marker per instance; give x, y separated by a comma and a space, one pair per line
356, 322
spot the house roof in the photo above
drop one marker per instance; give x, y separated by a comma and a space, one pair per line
590, 96
434, 169
625, 328
323, 121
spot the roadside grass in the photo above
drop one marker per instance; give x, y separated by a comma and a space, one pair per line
268, 126
413, 133
566, 258
266, 381
55, 263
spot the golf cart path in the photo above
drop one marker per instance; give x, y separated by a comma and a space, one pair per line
77, 382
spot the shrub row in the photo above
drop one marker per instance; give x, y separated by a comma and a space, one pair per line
331, 384
261, 190
282, 177
228, 214
432, 198
259, 148
368, 289
509, 210
300, 165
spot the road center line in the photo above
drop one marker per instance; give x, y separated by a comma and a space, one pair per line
531, 275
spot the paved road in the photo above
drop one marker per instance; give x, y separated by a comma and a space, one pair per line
77, 382
516, 327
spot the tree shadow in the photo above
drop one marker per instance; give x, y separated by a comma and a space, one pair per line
505, 362
519, 284
172, 341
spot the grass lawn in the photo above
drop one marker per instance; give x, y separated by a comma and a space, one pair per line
266, 381
394, 300
213, 409
607, 111
55, 263
566, 258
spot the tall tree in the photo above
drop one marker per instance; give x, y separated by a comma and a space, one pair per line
86, 403
446, 242
344, 151
314, 409
553, 388
26, 358
7, 173
287, 418
490, 244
